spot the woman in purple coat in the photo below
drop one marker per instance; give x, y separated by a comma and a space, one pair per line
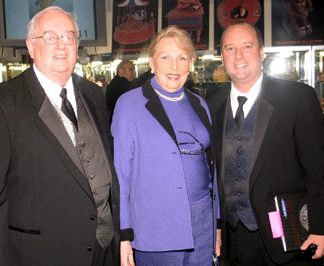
164, 157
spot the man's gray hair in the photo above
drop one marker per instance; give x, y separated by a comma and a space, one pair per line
33, 22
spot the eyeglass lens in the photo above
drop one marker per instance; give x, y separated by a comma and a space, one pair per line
52, 38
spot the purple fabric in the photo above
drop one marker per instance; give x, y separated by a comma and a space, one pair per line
153, 189
183, 118
202, 229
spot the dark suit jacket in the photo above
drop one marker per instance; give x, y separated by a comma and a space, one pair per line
47, 211
288, 153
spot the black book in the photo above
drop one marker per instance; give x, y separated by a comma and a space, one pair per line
294, 218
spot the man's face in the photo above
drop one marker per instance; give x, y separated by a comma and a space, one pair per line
128, 71
55, 61
242, 56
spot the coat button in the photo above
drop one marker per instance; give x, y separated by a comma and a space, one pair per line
90, 249
93, 217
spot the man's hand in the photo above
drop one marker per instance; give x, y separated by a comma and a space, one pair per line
317, 240
218, 242
126, 254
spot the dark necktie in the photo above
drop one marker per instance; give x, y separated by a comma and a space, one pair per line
67, 108
239, 117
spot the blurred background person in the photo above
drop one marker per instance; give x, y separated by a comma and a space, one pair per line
120, 83
164, 156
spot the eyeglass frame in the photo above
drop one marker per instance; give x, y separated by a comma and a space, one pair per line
183, 151
59, 36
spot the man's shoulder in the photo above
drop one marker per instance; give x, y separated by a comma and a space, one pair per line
278, 87
220, 93
13, 86
118, 82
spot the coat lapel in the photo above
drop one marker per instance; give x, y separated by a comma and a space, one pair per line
51, 126
265, 123
154, 106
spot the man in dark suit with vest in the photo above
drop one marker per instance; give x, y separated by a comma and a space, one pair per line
59, 194
270, 136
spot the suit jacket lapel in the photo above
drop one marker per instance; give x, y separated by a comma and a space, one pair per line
154, 106
50, 118
265, 123
200, 111
51, 126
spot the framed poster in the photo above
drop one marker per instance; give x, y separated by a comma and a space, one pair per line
297, 22
230, 11
190, 15
134, 25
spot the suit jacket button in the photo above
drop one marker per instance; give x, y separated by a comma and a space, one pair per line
90, 249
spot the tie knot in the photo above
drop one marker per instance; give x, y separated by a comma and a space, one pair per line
241, 100
63, 93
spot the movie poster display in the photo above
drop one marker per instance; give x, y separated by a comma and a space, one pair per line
134, 25
190, 15
297, 22
230, 11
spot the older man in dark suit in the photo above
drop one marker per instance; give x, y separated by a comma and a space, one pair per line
270, 134
59, 195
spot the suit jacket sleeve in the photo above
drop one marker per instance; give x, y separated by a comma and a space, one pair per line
309, 135
4, 165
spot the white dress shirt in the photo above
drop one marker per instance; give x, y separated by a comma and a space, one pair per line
53, 91
251, 96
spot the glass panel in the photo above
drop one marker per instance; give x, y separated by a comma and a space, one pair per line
319, 76
288, 64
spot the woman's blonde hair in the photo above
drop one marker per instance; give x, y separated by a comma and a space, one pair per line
181, 36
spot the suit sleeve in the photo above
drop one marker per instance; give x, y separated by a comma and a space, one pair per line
4, 165
309, 134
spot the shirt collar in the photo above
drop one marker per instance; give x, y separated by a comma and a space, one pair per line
251, 96
53, 90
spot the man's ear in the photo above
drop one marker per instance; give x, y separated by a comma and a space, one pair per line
121, 72
30, 47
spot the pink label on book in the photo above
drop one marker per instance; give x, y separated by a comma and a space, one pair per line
276, 224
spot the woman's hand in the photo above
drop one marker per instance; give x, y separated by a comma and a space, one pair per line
126, 254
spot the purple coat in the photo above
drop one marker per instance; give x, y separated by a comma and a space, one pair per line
154, 200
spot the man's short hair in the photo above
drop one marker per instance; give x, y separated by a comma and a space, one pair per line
32, 23
243, 23
122, 65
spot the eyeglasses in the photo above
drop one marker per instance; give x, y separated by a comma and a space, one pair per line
189, 151
52, 38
